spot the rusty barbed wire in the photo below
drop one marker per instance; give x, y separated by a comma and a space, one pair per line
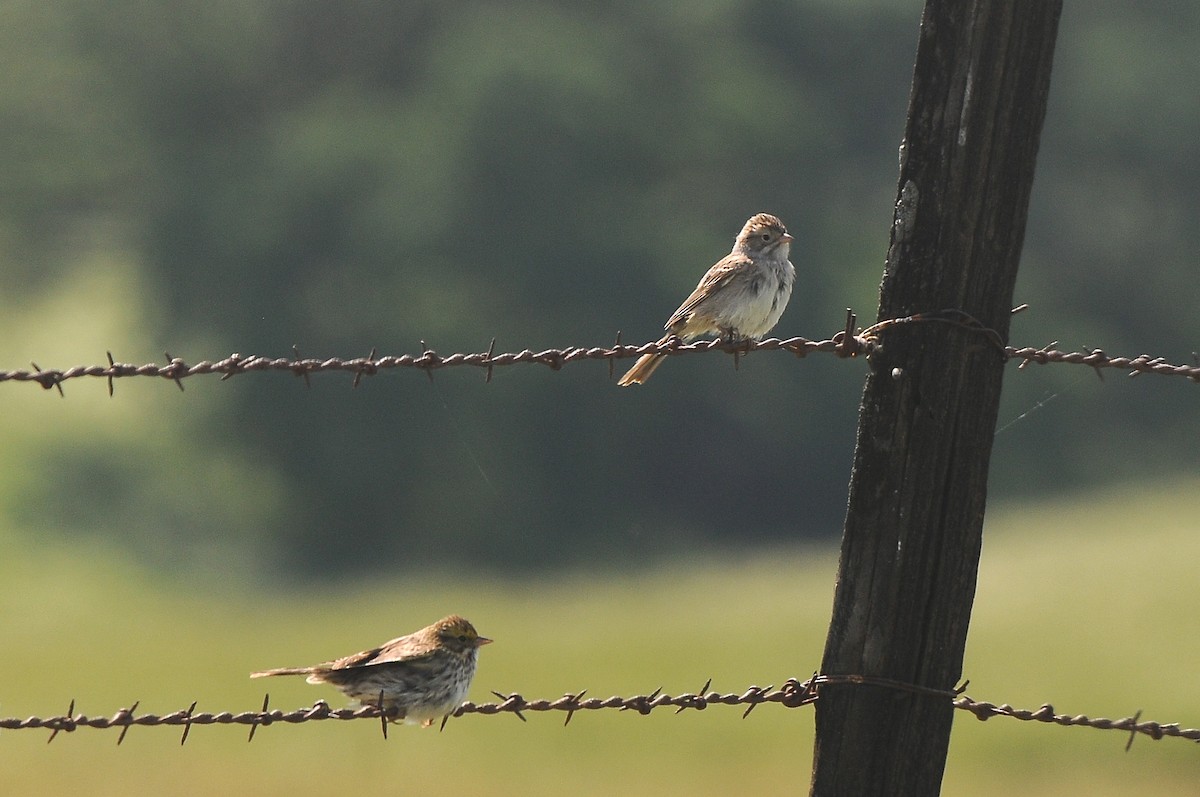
792, 693
235, 364
845, 344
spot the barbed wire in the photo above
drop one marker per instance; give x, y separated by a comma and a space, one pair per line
845, 344
792, 693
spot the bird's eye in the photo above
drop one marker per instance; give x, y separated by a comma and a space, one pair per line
462, 637
766, 236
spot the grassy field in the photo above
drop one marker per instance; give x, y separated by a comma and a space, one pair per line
1088, 605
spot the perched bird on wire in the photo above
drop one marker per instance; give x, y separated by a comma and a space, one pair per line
741, 297
416, 678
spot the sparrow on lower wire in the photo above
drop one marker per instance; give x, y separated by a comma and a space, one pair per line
417, 678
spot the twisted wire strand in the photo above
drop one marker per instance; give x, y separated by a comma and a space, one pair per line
176, 369
845, 344
793, 693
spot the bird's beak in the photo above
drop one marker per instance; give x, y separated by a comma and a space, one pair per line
481, 641
787, 239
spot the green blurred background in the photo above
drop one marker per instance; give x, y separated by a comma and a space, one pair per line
210, 177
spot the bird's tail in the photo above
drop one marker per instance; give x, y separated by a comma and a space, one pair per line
645, 365
641, 370
282, 671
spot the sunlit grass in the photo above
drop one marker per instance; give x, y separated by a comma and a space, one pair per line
1081, 604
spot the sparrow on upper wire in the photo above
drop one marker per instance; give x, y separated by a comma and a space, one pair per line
741, 297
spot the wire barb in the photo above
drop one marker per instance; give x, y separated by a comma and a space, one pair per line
254, 725
617, 347
488, 359
176, 369
64, 723
299, 366
848, 343
48, 379
754, 694
513, 703
125, 717
187, 723
1095, 358
1133, 721
699, 703
367, 366
574, 700
428, 360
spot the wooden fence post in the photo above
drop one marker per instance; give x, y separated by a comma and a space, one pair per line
910, 549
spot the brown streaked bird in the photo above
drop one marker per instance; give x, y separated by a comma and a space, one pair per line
741, 297
416, 678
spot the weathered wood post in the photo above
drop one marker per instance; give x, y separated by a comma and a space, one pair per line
910, 549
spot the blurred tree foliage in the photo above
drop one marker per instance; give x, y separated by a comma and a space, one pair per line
346, 175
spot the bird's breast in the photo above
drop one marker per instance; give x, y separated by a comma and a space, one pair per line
756, 309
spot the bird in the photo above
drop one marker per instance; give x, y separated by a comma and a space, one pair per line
739, 298
415, 678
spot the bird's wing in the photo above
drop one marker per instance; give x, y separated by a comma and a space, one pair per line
403, 648
712, 281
